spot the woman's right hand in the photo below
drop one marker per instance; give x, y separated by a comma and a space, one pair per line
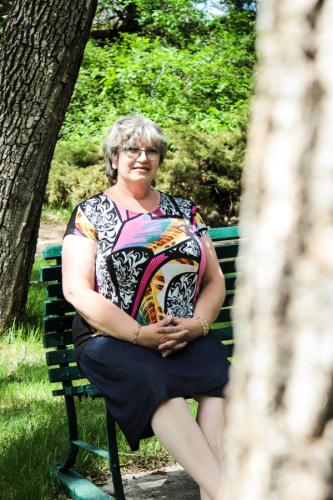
149, 336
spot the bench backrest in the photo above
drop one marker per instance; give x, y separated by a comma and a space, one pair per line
58, 313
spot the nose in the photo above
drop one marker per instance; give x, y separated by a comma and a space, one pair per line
142, 151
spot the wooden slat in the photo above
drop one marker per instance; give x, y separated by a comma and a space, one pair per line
57, 307
61, 356
57, 339
222, 233
57, 323
52, 252
51, 273
64, 374
91, 448
78, 390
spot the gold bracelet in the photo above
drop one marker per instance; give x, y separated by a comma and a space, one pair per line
136, 334
204, 324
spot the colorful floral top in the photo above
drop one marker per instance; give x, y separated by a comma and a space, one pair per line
147, 263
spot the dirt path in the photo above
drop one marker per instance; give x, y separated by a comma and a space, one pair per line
49, 234
170, 482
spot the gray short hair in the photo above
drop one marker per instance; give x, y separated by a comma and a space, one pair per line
131, 129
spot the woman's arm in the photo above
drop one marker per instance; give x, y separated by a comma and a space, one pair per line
209, 302
78, 268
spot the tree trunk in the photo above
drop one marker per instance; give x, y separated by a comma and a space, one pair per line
40, 55
278, 440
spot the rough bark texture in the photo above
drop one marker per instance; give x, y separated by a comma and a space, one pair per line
278, 440
40, 55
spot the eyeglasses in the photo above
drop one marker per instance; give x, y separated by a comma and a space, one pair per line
134, 153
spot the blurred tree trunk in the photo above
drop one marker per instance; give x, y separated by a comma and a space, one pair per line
40, 55
278, 439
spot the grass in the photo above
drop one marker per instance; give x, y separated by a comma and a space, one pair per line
33, 427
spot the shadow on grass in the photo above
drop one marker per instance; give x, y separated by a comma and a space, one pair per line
35, 435
25, 374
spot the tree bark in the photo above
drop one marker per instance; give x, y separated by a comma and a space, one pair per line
278, 439
40, 55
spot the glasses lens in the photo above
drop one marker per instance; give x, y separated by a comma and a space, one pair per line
132, 152
152, 153
136, 152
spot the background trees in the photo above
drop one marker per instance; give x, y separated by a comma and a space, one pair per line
184, 68
278, 438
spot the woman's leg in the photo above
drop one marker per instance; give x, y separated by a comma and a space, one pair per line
180, 434
210, 420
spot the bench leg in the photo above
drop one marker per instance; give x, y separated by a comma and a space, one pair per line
114, 457
72, 431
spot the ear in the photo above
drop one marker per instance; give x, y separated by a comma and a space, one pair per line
114, 162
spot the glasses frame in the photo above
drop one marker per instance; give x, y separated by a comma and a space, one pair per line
151, 154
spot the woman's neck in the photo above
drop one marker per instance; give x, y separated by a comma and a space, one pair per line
136, 198
139, 191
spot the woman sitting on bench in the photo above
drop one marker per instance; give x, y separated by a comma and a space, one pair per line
142, 274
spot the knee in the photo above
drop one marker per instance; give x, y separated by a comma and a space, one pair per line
210, 413
168, 409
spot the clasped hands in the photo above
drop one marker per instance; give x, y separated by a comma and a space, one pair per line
170, 334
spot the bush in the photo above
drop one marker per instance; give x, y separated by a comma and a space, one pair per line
79, 151
207, 169
77, 172
205, 83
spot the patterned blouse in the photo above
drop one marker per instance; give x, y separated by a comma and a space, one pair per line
146, 263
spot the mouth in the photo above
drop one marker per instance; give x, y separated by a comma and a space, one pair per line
146, 169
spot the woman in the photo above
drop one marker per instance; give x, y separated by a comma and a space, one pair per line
142, 273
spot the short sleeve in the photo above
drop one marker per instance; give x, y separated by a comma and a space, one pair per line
198, 225
79, 225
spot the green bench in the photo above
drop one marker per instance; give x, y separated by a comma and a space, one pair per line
63, 370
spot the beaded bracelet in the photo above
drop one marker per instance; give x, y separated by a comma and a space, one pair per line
204, 324
136, 334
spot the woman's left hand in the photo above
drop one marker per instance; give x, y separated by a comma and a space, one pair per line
170, 346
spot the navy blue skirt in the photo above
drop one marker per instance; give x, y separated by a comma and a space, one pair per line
135, 380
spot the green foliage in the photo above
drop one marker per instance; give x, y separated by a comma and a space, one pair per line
207, 169
207, 84
174, 21
80, 152
77, 172
191, 74
240, 5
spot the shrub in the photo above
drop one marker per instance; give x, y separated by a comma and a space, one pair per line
78, 151
207, 169
77, 172
205, 83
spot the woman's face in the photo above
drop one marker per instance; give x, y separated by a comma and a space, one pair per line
136, 163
